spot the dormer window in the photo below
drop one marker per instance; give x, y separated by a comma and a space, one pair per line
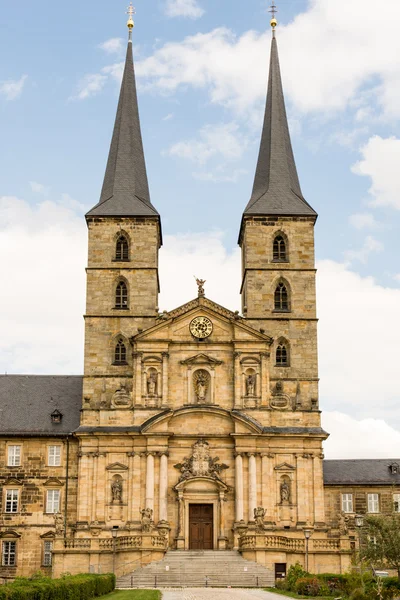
394, 468
56, 416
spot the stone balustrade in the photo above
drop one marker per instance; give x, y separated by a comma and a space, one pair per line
260, 541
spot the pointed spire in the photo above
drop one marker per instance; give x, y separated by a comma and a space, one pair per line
276, 189
125, 190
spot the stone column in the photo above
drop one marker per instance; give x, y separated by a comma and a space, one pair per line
239, 516
265, 484
270, 492
83, 487
163, 488
136, 487
100, 493
264, 380
304, 478
129, 494
165, 357
94, 485
238, 381
150, 481
252, 485
319, 505
138, 392
221, 515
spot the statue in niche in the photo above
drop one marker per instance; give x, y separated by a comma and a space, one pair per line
116, 490
147, 520
59, 524
285, 491
121, 396
201, 383
152, 383
259, 516
251, 384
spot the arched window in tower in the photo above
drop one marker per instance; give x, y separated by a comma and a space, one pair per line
122, 248
279, 249
121, 295
281, 297
282, 354
120, 353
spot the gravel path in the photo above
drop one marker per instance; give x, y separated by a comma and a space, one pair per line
218, 594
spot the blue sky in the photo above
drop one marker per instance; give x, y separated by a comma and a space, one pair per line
202, 69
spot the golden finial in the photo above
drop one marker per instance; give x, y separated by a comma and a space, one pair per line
273, 10
131, 24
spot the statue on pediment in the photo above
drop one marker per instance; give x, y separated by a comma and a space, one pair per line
147, 520
259, 516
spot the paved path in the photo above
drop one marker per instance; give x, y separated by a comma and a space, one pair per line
218, 594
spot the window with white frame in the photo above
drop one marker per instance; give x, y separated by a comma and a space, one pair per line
12, 497
53, 501
47, 554
347, 503
396, 503
373, 503
54, 456
14, 456
9, 558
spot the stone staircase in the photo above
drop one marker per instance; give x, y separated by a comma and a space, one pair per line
196, 568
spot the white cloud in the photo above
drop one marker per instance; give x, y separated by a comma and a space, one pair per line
364, 221
367, 438
184, 8
113, 46
39, 188
42, 299
380, 162
168, 117
89, 86
370, 246
222, 141
12, 89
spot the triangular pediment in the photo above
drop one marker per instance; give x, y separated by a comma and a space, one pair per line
53, 482
227, 325
285, 467
201, 359
116, 467
50, 535
13, 481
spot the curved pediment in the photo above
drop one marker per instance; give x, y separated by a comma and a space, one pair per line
203, 483
212, 420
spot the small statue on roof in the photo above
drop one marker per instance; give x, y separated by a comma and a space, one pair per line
200, 285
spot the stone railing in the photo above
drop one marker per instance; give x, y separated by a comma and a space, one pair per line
139, 542
77, 543
324, 545
260, 541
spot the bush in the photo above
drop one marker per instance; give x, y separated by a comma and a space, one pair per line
79, 587
359, 594
295, 573
311, 586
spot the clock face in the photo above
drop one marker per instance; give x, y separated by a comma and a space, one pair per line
201, 327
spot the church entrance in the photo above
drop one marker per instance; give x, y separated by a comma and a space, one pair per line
201, 527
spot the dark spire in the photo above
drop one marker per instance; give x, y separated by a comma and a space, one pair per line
276, 189
125, 190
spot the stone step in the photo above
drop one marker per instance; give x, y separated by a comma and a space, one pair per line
196, 568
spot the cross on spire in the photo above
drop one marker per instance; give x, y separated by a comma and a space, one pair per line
273, 10
131, 24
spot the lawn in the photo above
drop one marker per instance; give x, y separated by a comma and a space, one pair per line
293, 595
133, 595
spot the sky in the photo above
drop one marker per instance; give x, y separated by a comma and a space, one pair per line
202, 68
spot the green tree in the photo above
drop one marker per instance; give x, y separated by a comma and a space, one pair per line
380, 541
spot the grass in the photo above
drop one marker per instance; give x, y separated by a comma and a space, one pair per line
133, 595
294, 595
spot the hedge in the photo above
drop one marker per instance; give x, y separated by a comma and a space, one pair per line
78, 587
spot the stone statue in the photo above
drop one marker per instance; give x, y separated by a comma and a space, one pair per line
343, 523
116, 490
121, 396
147, 520
285, 491
259, 515
200, 464
59, 524
251, 385
201, 381
152, 383
200, 285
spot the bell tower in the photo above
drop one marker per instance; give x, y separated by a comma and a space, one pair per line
124, 240
277, 242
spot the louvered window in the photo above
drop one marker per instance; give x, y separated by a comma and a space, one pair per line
121, 295
279, 249
281, 297
122, 249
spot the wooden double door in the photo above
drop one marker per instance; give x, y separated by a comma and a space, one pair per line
201, 527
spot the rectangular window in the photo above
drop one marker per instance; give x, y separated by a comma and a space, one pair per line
12, 501
9, 554
373, 503
396, 503
53, 501
54, 456
347, 503
47, 554
14, 456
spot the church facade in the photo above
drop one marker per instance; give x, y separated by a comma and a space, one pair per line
198, 428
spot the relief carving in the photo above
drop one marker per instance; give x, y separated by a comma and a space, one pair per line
279, 399
200, 464
122, 396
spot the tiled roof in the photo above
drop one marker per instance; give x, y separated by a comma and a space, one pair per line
27, 401
373, 471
